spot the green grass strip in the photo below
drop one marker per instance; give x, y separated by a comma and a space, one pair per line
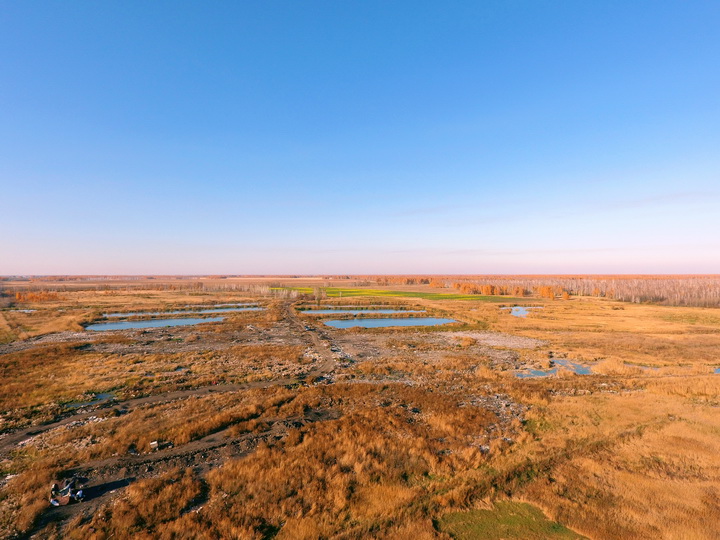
507, 520
336, 292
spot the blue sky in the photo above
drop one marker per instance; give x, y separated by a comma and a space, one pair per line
359, 137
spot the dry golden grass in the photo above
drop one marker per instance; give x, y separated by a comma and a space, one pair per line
26, 495
37, 381
625, 453
6, 333
368, 473
75, 308
631, 465
38, 464
151, 508
46, 320
597, 329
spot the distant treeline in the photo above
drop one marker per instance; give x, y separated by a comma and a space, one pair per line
37, 296
5, 298
675, 290
38, 292
679, 290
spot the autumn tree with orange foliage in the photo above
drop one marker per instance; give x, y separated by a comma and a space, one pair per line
41, 296
545, 291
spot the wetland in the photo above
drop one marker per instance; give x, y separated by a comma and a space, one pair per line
476, 421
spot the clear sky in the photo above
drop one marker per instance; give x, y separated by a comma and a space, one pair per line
359, 137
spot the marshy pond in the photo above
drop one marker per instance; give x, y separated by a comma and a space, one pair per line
180, 312
196, 306
578, 369
359, 311
388, 322
154, 323
98, 398
521, 311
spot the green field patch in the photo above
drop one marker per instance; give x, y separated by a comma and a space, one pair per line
337, 292
505, 521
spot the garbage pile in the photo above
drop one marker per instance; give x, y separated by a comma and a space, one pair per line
70, 493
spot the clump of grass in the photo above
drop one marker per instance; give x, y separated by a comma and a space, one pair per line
369, 470
26, 495
149, 508
505, 520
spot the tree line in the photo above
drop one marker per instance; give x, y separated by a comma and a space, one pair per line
697, 291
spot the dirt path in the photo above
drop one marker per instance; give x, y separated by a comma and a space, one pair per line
320, 340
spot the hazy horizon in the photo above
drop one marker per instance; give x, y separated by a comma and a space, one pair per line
372, 138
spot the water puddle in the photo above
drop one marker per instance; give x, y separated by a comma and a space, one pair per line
346, 306
521, 311
338, 311
196, 306
717, 371
99, 398
155, 323
644, 368
179, 312
578, 369
387, 322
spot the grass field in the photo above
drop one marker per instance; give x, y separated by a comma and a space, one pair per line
338, 292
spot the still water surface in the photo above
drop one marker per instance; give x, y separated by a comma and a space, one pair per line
578, 369
521, 311
387, 322
99, 398
359, 311
179, 312
155, 323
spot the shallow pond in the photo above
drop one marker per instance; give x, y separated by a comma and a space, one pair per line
521, 311
155, 323
387, 322
179, 312
99, 398
578, 369
332, 311
196, 306
347, 306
